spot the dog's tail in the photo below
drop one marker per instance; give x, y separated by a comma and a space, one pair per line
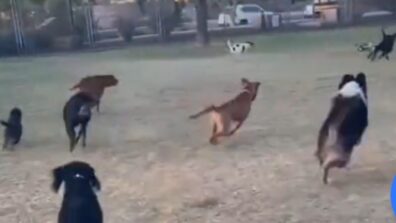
229, 43
203, 112
250, 43
4, 123
75, 87
383, 31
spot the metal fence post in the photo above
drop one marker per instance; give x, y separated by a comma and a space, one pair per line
89, 23
17, 26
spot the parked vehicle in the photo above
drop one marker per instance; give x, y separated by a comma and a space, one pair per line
309, 11
243, 14
250, 14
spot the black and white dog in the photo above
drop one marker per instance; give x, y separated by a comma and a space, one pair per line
13, 128
365, 47
77, 113
345, 124
239, 48
385, 47
80, 204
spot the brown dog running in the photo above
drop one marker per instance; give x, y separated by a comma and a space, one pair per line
235, 110
95, 86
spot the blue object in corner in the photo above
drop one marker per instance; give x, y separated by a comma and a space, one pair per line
393, 196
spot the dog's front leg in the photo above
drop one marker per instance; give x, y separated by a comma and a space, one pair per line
84, 135
80, 133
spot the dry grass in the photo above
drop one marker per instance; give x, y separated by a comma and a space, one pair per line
156, 166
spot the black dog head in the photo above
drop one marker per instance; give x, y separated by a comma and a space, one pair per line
16, 114
75, 175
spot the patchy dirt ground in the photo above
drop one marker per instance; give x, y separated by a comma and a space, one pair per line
156, 166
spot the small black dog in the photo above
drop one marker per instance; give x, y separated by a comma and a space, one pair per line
385, 47
13, 128
77, 113
80, 204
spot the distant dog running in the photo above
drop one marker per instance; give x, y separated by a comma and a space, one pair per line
365, 47
80, 204
345, 124
95, 86
13, 128
385, 47
77, 113
239, 48
235, 110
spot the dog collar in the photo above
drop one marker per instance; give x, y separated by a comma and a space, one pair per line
247, 91
79, 176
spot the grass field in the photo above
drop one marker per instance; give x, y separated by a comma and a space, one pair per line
156, 166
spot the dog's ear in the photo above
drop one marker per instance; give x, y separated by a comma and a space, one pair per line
245, 81
255, 90
345, 79
94, 181
58, 177
361, 80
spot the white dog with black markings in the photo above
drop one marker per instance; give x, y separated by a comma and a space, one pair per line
239, 47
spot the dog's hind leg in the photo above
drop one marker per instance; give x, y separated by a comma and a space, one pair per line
72, 137
240, 123
98, 107
372, 55
382, 55
5, 143
213, 139
326, 174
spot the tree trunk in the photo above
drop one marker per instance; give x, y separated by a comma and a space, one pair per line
202, 22
69, 8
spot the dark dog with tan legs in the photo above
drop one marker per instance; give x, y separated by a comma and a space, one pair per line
13, 128
95, 86
345, 124
80, 204
77, 114
385, 47
236, 110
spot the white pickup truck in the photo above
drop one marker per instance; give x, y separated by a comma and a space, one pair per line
243, 14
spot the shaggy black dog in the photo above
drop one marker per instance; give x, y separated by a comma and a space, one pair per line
13, 128
80, 204
345, 124
77, 113
385, 46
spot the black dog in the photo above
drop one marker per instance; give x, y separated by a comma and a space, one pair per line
385, 46
77, 113
13, 128
345, 124
80, 204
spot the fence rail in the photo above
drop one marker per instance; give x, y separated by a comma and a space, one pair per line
27, 26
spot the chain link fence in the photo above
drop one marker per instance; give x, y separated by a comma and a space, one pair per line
33, 26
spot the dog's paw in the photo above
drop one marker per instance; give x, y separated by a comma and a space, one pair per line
213, 141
